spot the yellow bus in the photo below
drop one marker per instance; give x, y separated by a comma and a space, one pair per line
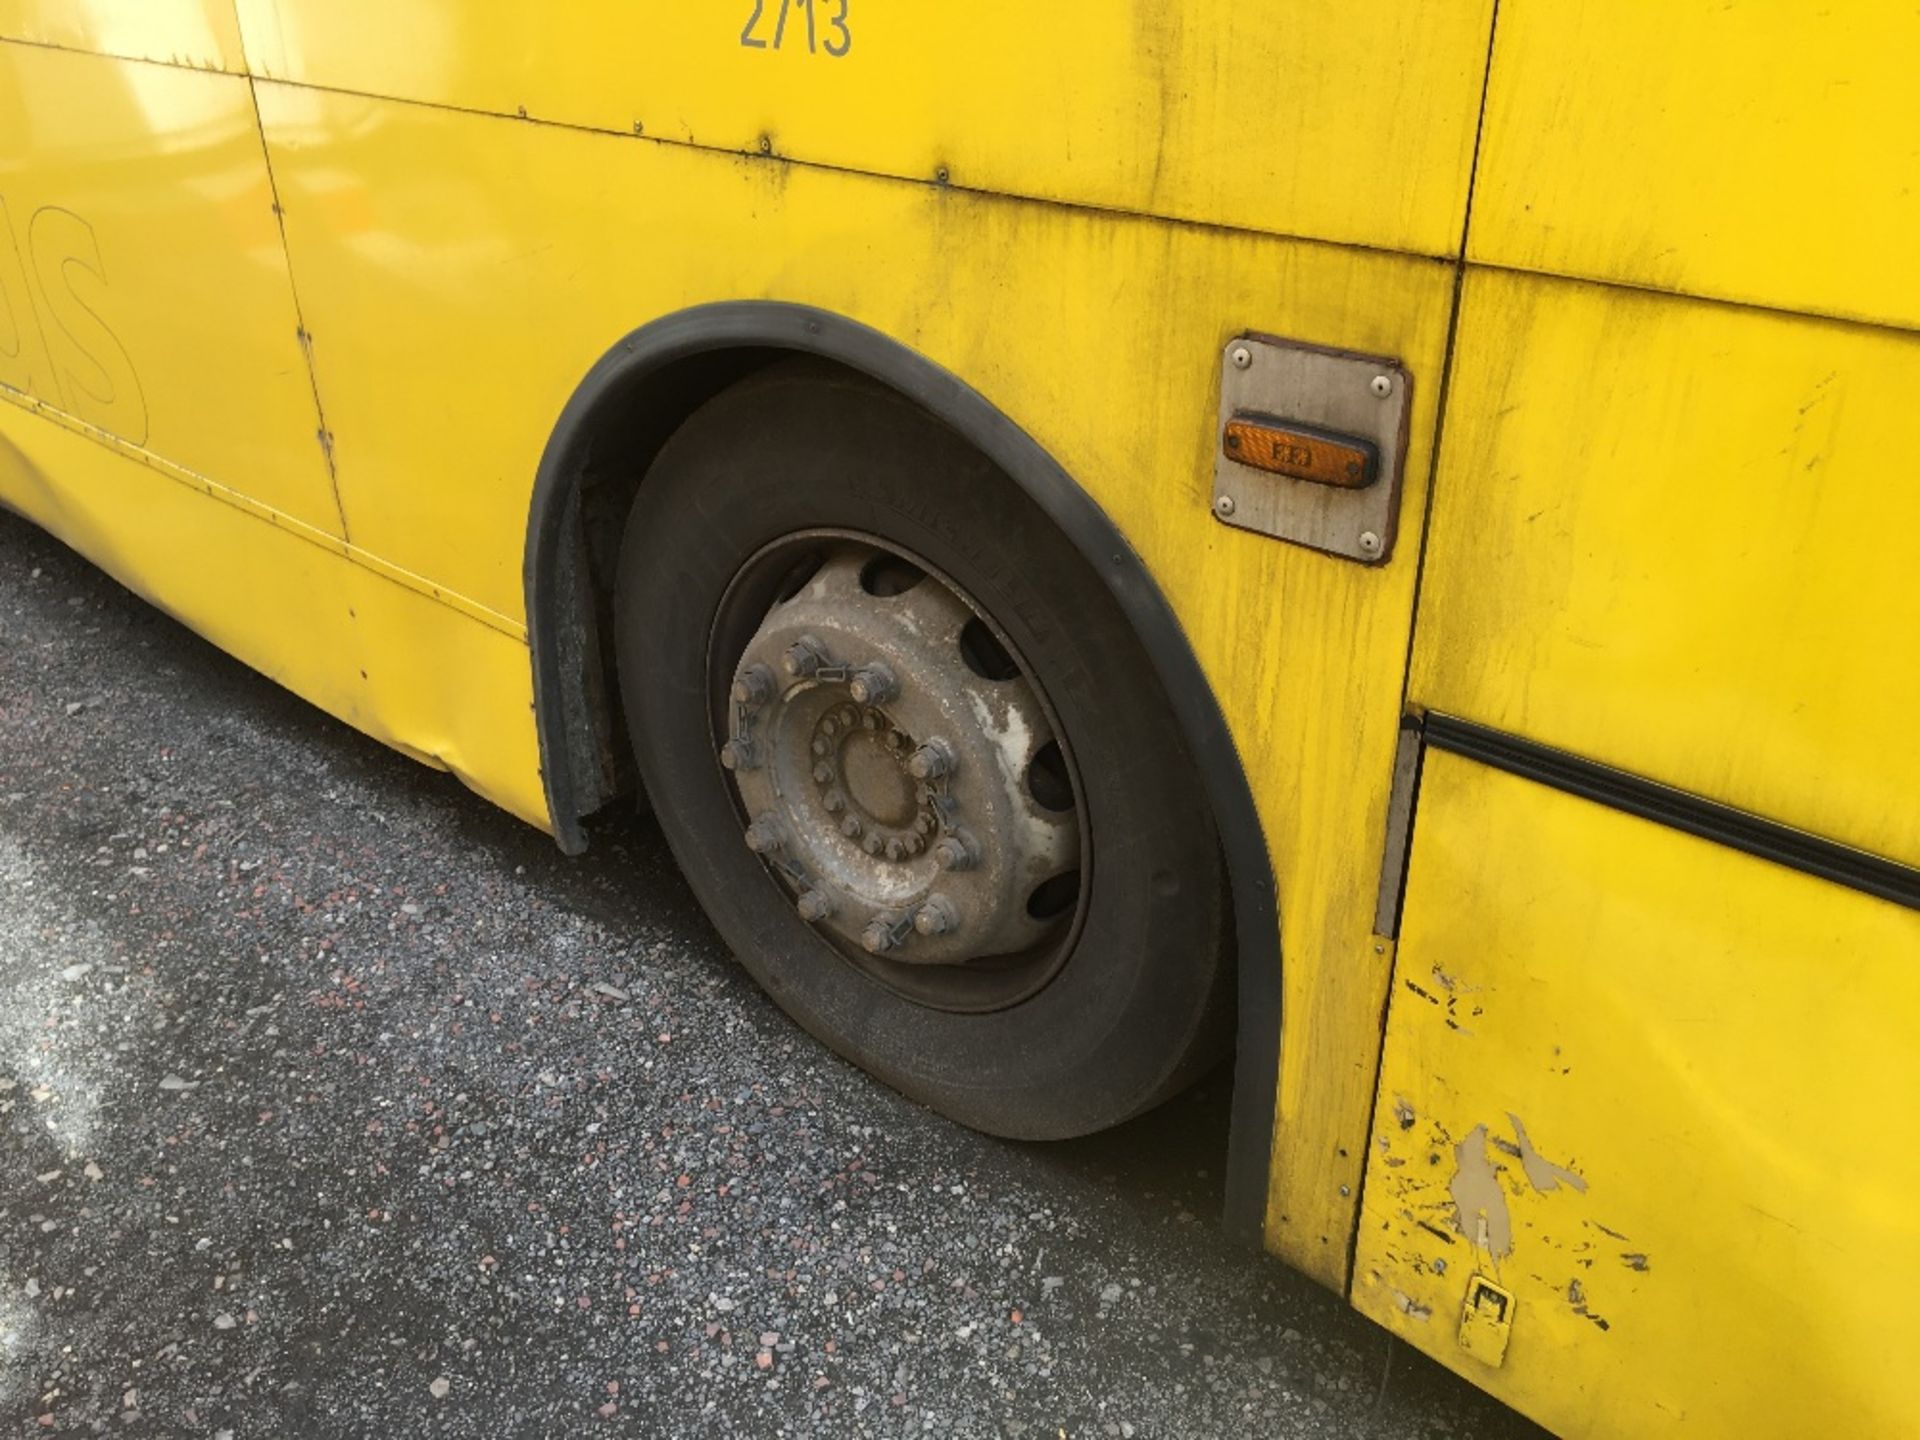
1378, 539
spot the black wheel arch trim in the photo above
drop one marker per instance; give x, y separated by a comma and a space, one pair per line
553, 579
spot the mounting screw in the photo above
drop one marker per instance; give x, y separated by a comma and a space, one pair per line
753, 686
763, 836
873, 685
956, 852
877, 938
815, 905
938, 916
1224, 505
1241, 356
1346, 1190
931, 760
1381, 385
766, 144
737, 754
1370, 545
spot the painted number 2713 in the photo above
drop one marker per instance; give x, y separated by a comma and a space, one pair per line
826, 31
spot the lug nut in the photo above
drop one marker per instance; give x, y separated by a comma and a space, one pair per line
851, 827
834, 802
763, 836
815, 906
956, 852
803, 657
737, 754
896, 850
823, 772
872, 845
878, 938
938, 916
931, 761
873, 685
753, 686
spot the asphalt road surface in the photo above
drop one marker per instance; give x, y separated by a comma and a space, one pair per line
335, 1102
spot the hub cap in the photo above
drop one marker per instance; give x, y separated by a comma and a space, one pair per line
900, 772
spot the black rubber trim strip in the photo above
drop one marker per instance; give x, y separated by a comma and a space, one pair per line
620, 378
1678, 809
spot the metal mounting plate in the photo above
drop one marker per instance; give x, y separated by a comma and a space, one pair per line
1333, 391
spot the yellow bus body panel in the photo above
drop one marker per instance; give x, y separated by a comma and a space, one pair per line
375, 649
1662, 1093
518, 268
1302, 117
199, 34
143, 285
1680, 538
290, 360
1766, 153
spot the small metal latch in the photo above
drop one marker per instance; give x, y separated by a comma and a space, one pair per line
1487, 1321
1311, 446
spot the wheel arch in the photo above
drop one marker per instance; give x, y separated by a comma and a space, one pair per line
638, 393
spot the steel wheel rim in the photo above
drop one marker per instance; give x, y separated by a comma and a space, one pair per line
931, 854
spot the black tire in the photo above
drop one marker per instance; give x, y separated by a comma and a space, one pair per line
1141, 1004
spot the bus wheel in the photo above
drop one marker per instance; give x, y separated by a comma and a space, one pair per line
915, 763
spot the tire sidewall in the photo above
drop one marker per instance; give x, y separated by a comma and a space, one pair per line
1119, 1024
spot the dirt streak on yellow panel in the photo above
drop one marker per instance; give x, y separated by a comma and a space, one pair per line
1663, 1093
200, 34
143, 285
398, 665
486, 291
1681, 538
1304, 117
1763, 152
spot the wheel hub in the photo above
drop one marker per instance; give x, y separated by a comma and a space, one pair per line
898, 771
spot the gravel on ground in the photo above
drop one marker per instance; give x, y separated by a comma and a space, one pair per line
335, 1102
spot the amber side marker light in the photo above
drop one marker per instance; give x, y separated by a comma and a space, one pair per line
1301, 452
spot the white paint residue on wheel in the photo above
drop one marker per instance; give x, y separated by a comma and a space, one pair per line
48, 1055
1011, 737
